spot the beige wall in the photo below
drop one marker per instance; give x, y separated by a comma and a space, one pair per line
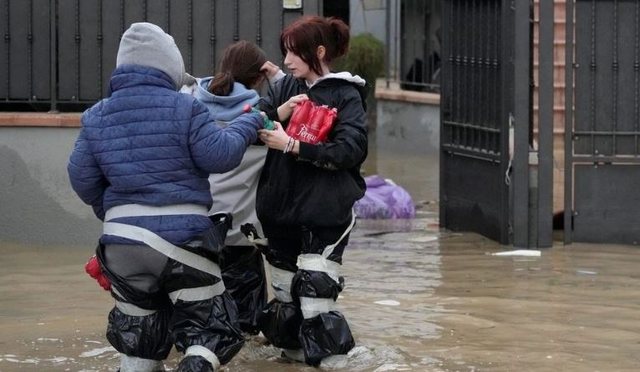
558, 96
37, 204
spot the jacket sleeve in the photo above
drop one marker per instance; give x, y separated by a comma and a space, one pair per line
86, 177
347, 145
279, 92
269, 105
219, 150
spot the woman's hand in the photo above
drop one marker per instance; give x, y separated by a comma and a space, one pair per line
278, 139
285, 110
271, 70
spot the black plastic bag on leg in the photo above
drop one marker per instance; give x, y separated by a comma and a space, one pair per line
213, 239
324, 335
193, 364
280, 323
244, 277
210, 323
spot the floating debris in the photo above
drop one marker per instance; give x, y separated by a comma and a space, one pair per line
519, 252
387, 302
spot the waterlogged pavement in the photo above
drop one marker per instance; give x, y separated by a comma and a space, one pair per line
417, 298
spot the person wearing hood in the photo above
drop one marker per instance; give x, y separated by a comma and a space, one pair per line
307, 191
242, 70
142, 161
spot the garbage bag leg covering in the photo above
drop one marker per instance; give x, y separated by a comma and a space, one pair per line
200, 318
141, 336
281, 318
244, 277
205, 327
198, 359
324, 330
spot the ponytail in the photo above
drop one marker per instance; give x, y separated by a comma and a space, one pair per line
340, 32
221, 84
241, 63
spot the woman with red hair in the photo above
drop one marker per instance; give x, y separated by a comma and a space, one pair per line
308, 188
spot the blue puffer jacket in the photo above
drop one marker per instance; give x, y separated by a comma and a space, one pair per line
148, 144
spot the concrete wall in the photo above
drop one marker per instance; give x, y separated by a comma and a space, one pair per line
407, 120
37, 204
406, 145
406, 126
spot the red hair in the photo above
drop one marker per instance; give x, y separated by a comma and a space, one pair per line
305, 35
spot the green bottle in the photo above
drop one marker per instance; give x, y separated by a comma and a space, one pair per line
268, 123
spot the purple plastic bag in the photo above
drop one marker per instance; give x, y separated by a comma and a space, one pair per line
384, 199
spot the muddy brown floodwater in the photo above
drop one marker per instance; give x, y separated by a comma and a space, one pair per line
417, 298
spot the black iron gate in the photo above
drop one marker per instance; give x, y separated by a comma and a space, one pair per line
476, 106
59, 54
602, 160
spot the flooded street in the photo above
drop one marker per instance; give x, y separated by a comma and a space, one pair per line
417, 299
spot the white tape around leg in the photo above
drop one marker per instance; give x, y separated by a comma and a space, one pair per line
133, 310
130, 309
317, 262
134, 364
312, 307
197, 294
201, 351
281, 283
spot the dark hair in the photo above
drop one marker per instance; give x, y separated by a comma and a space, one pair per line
241, 62
304, 36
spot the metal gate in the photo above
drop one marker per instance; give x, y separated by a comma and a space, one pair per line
477, 103
59, 54
602, 145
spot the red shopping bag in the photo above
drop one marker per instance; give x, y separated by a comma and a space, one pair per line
95, 271
311, 123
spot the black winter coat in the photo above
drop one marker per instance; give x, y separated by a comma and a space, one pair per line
320, 186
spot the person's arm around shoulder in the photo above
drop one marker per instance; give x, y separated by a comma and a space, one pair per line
219, 150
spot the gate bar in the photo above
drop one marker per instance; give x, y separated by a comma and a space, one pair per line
568, 125
522, 94
53, 63
545, 124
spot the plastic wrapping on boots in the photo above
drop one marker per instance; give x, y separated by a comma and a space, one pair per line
212, 323
195, 364
244, 277
280, 323
324, 335
145, 337
315, 284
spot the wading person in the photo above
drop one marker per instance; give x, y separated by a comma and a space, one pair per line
242, 69
142, 161
307, 191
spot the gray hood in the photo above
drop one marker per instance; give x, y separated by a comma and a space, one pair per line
146, 44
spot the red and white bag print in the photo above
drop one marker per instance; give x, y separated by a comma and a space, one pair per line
311, 123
